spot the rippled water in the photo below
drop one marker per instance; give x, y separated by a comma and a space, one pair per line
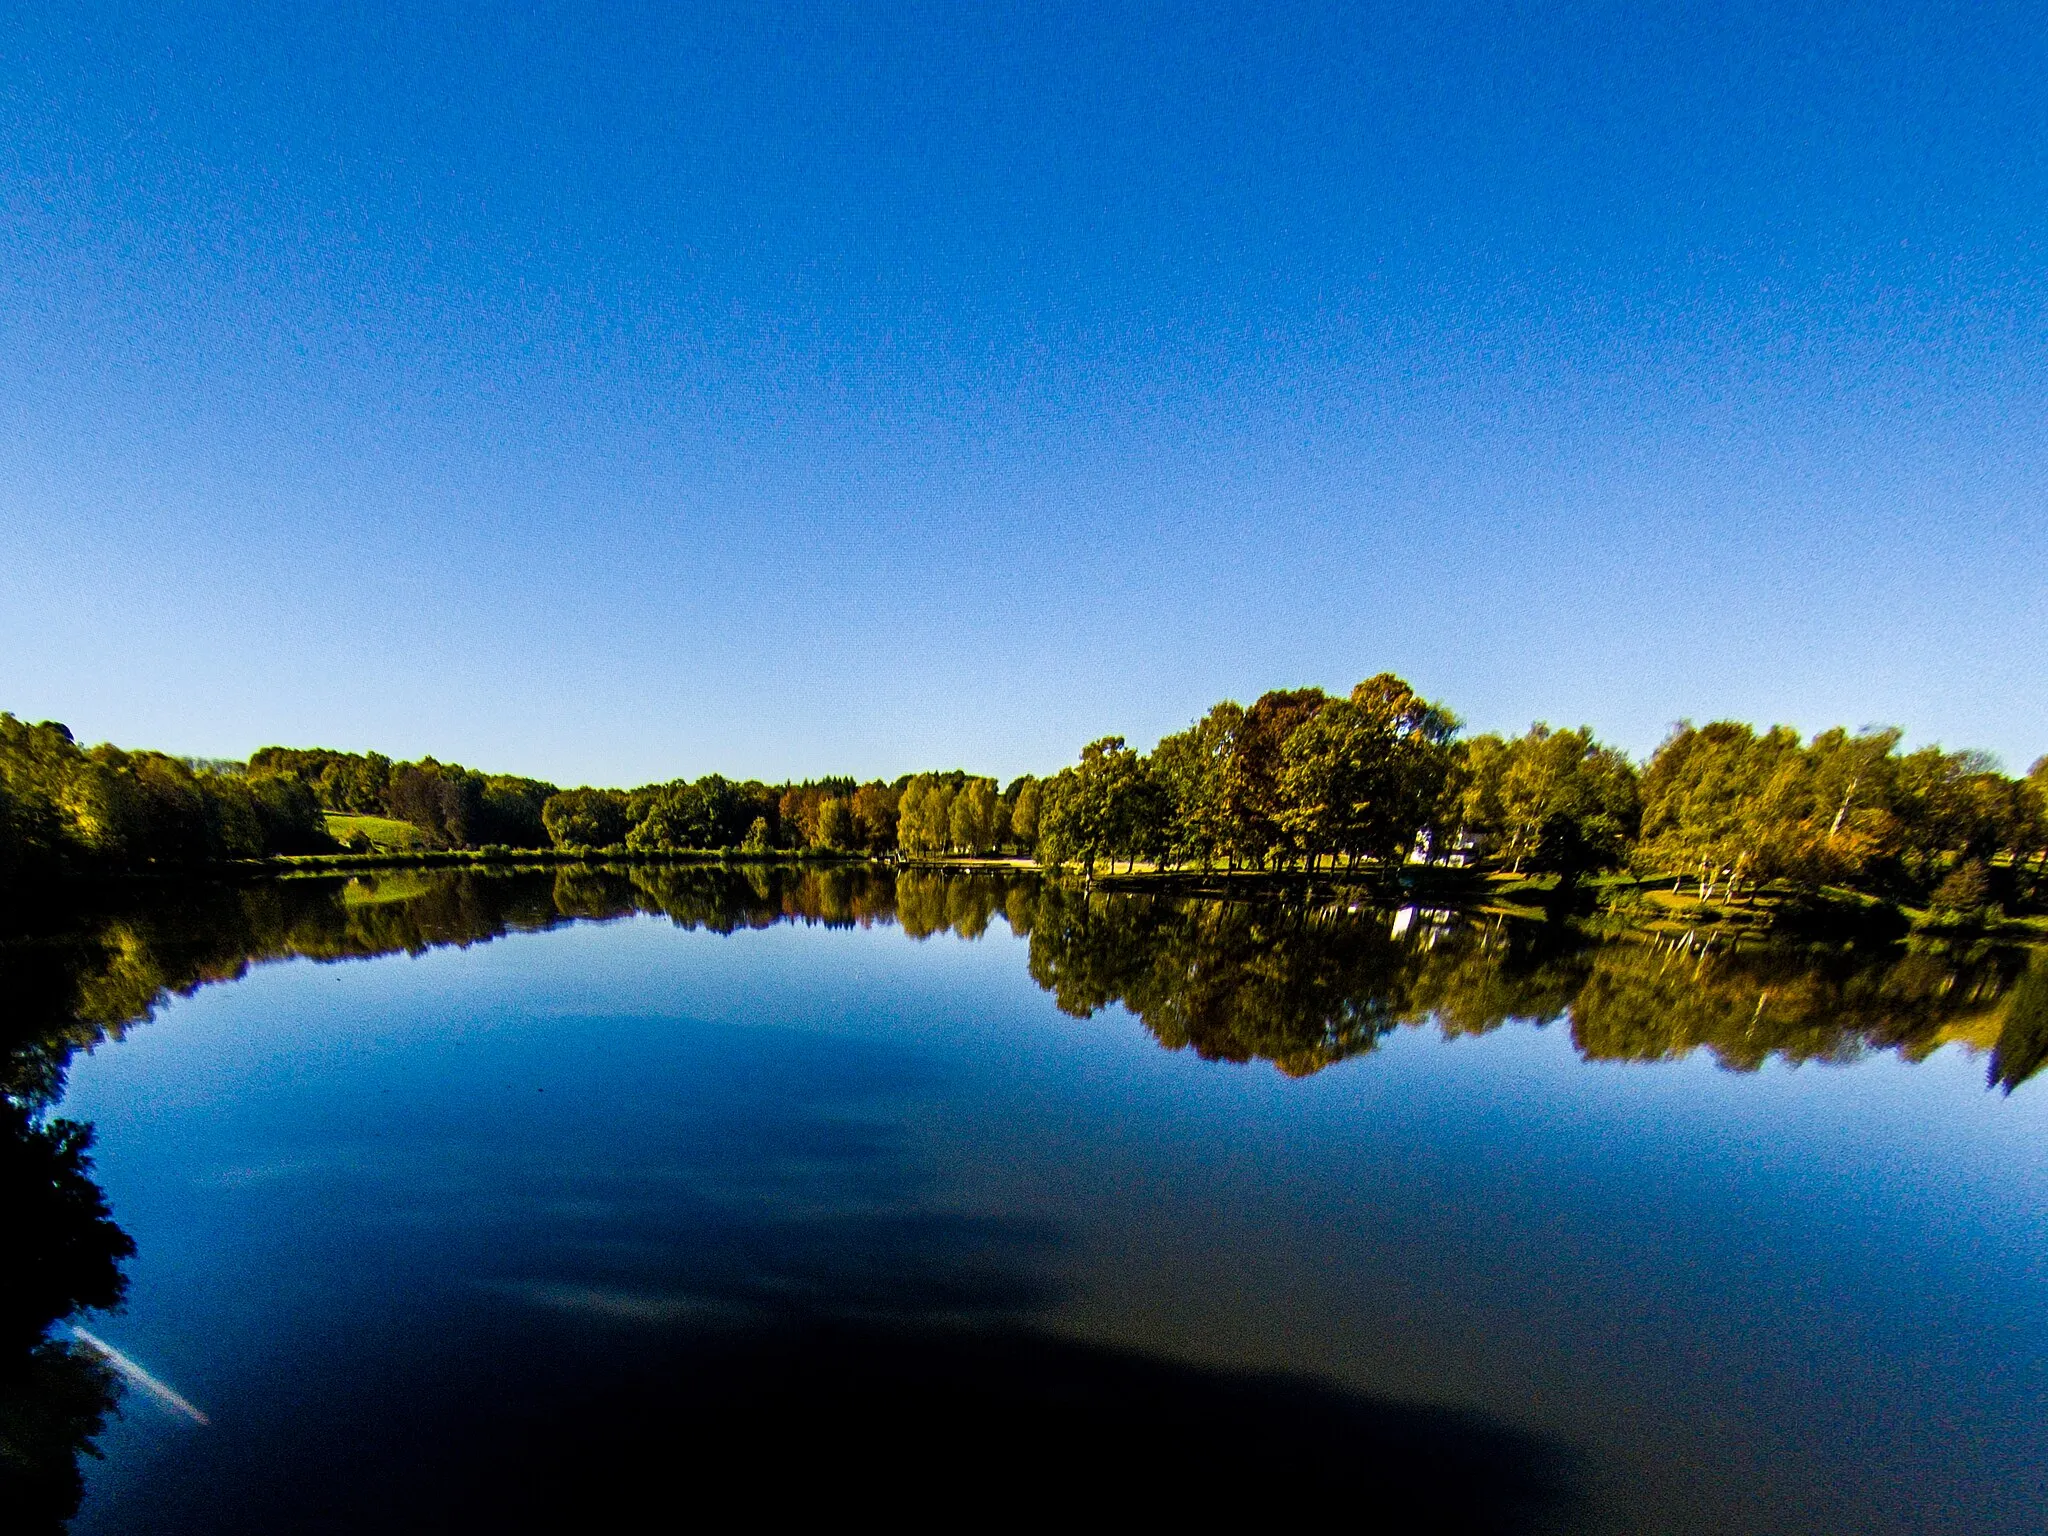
827, 1192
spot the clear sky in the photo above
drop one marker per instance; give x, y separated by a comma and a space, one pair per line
613, 392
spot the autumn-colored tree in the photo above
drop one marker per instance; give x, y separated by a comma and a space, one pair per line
874, 815
798, 810
1250, 790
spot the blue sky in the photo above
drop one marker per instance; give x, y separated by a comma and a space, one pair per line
611, 393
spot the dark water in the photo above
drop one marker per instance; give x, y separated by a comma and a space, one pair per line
943, 1197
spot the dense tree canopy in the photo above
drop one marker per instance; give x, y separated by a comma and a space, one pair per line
451, 806
1361, 776
62, 804
1301, 778
1732, 805
1111, 806
1298, 779
1555, 800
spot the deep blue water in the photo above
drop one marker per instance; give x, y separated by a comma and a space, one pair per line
401, 1219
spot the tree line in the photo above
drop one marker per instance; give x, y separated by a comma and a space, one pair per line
1299, 779
64, 805
1304, 780
920, 815
457, 807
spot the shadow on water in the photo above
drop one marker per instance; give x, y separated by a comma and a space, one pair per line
890, 1366
892, 1361
827, 1417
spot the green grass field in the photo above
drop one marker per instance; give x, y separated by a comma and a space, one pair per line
382, 831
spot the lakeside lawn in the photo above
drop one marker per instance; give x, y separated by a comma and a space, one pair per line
384, 833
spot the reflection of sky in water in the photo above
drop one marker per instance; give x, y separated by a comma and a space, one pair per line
1800, 1299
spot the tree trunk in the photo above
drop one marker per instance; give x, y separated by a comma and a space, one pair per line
1847, 796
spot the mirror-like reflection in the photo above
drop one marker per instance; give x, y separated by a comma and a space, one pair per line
1300, 982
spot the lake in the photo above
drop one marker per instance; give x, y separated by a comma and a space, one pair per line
517, 1200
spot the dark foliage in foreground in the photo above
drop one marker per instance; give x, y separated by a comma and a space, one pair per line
64, 1254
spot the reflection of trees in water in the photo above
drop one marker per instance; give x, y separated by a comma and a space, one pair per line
63, 1251
84, 966
1299, 983
930, 902
2022, 1046
73, 974
1296, 986
1658, 999
1303, 985
63, 1256
76, 972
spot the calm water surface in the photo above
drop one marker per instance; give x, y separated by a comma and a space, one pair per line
505, 1234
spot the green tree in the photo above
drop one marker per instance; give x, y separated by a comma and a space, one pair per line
585, 818
509, 810
2033, 817
1025, 797
924, 824
1190, 767
1949, 804
288, 812
1109, 806
444, 802
1731, 806
1719, 800
669, 820
972, 818
1362, 775
1563, 801
835, 823
1475, 781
